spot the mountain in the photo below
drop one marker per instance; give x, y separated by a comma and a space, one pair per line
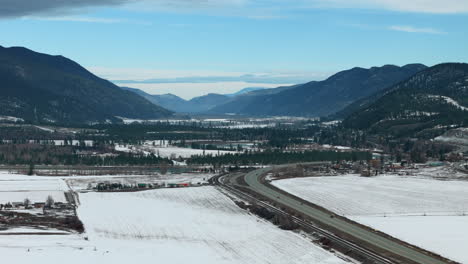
198, 104
174, 103
245, 90
433, 98
43, 88
206, 102
246, 100
320, 98
168, 101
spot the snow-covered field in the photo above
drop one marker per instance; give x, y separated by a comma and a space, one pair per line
196, 225
445, 235
185, 152
16, 188
441, 173
29, 230
397, 205
78, 183
351, 195
169, 151
52, 249
192, 225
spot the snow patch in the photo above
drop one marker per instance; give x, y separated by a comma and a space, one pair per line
11, 119
450, 101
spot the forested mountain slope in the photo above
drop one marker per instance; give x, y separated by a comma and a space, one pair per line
322, 98
437, 96
43, 88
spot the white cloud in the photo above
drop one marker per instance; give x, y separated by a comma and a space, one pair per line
77, 19
85, 19
417, 6
191, 83
140, 74
192, 4
22, 8
253, 9
411, 29
256, 9
274, 9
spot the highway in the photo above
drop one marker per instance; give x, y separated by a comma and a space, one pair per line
253, 180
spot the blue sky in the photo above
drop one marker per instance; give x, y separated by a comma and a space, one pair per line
279, 41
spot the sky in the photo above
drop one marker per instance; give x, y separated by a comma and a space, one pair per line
194, 47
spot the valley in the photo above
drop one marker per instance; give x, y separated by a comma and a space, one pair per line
234, 132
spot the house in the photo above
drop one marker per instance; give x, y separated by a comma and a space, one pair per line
39, 205
63, 206
368, 173
17, 204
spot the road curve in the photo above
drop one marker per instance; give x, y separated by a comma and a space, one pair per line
253, 179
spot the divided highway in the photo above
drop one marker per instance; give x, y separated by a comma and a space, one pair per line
254, 182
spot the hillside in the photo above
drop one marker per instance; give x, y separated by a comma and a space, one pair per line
321, 98
245, 90
174, 103
198, 104
168, 101
42, 88
245, 100
435, 97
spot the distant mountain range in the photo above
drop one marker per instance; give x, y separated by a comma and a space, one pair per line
41, 88
431, 99
337, 94
199, 104
322, 98
237, 104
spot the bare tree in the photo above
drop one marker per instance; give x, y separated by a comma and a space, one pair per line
49, 202
31, 169
163, 168
27, 203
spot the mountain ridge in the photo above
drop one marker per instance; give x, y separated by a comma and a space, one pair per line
42, 88
321, 98
199, 104
434, 97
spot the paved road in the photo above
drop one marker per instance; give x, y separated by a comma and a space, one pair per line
253, 180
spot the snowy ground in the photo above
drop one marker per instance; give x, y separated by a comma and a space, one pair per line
352, 195
184, 152
397, 205
445, 235
78, 183
11, 119
169, 151
450, 101
24, 249
196, 223
441, 173
16, 188
29, 230
192, 225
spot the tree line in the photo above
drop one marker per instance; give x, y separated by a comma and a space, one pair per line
278, 157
